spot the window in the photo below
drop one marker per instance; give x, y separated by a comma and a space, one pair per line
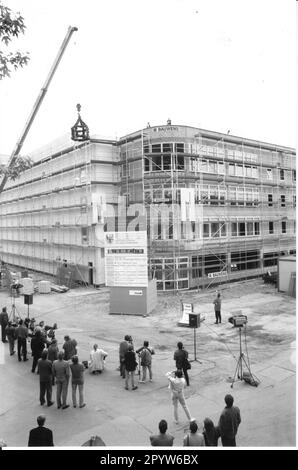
284, 227
204, 166
254, 172
248, 171
232, 195
156, 148
281, 174
212, 167
214, 195
215, 230
84, 233
221, 168
282, 200
234, 229
223, 229
179, 148
147, 164
271, 228
242, 229
167, 162
269, 173
249, 228
240, 196
206, 229
146, 149
257, 228
270, 197
294, 201
156, 163
222, 194
270, 259
167, 147
294, 175
180, 163
231, 169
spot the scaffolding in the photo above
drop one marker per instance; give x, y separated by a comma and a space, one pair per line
250, 212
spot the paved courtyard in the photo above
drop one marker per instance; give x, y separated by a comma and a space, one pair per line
127, 418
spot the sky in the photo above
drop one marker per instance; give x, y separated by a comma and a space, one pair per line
218, 65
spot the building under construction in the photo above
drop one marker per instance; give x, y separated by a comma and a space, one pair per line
216, 207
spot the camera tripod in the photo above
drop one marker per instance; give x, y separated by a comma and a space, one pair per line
14, 314
240, 363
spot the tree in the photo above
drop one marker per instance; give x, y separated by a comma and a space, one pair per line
21, 164
11, 25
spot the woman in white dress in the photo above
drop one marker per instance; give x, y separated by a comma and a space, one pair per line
97, 358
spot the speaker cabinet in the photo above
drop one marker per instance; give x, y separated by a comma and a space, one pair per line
194, 320
28, 299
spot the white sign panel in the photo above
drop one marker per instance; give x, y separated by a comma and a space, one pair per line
126, 259
135, 292
187, 308
217, 274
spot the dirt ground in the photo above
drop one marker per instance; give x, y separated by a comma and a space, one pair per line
126, 418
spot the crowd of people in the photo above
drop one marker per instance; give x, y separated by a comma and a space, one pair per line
59, 367
226, 430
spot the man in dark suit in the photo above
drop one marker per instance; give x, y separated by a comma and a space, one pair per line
41, 436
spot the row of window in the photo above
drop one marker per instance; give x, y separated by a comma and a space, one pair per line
166, 162
206, 194
216, 195
210, 230
176, 273
212, 150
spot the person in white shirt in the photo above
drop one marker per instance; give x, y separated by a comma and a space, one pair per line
176, 385
97, 358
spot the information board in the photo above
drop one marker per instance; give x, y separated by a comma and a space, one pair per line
126, 259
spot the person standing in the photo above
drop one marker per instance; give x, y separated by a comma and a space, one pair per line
217, 309
77, 380
181, 358
61, 372
229, 422
21, 335
11, 336
130, 367
37, 347
146, 360
70, 348
41, 436
53, 351
163, 439
3, 322
193, 438
211, 433
97, 358
44, 367
177, 385
123, 348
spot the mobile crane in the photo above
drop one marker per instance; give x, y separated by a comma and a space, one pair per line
36, 106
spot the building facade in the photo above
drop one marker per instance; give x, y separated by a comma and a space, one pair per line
216, 207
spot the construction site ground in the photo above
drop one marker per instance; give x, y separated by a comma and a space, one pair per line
127, 418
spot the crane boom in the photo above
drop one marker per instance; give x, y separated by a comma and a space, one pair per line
37, 104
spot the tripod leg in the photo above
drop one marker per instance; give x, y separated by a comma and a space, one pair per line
236, 370
248, 368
